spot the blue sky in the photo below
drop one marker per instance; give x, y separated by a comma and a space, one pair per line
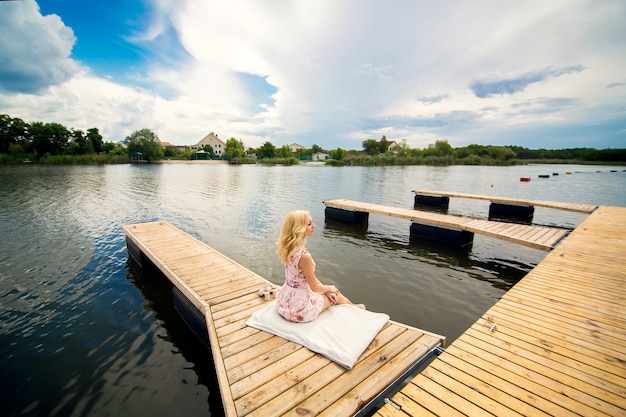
535, 74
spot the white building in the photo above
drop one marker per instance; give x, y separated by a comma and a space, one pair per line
219, 146
295, 147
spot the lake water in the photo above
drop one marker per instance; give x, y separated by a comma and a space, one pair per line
83, 331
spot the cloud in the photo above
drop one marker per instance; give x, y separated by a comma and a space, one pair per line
329, 73
433, 99
491, 86
34, 49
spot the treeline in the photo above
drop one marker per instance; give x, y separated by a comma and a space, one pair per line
53, 142
384, 152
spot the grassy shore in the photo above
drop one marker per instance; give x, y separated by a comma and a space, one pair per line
361, 160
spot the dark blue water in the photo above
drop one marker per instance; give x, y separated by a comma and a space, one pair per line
85, 332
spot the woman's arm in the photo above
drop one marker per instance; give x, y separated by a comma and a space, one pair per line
306, 265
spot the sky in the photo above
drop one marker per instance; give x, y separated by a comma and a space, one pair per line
533, 73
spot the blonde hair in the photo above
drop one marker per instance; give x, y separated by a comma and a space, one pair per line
292, 234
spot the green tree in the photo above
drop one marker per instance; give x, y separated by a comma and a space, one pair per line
383, 145
234, 148
12, 131
5, 137
338, 154
78, 143
370, 146
95, 138
209, 150
316, 148
500, 153
108, 147
284, 152
267, 150
440, 148
49, 138
404, 148
147, 143
171, 152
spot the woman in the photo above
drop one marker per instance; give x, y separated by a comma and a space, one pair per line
303, 297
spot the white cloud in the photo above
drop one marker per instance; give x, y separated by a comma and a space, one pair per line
34, 49
346, 71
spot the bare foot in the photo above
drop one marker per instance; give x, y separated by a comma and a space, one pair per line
360, 306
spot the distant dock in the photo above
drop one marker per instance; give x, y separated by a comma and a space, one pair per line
575, 207
538, 237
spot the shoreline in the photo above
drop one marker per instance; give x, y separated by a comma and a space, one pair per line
221, 161
189, 161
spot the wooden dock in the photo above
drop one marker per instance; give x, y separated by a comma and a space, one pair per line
544, 238
575, 207
554, 345
260, 374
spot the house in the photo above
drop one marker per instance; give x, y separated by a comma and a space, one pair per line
296, 147
219, 146
320, 156
393, 147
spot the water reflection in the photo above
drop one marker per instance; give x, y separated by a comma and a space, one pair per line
157, 291
500, 273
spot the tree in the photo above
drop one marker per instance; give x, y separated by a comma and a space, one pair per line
316, 148
95, 138
370, 146
440, 148
284, 152
49, 138
209, 150
109, 147
404, 148
171, 152
267, 150
78, 143
147, 143
12, 131
500, 153
234, 148
338, 154
383, 145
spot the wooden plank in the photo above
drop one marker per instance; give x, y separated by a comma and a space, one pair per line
576, 207
538, 237
248, 361
553, 344
491, 386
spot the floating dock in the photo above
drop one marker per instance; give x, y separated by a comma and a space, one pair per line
554, 345
538, 237
260, 374
575, 207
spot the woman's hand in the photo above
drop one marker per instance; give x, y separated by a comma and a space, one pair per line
332, 293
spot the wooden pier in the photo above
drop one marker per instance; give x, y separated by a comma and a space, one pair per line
544, 238
260, 374
575, 207
554, 345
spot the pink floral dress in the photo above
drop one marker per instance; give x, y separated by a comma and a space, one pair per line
296, 301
